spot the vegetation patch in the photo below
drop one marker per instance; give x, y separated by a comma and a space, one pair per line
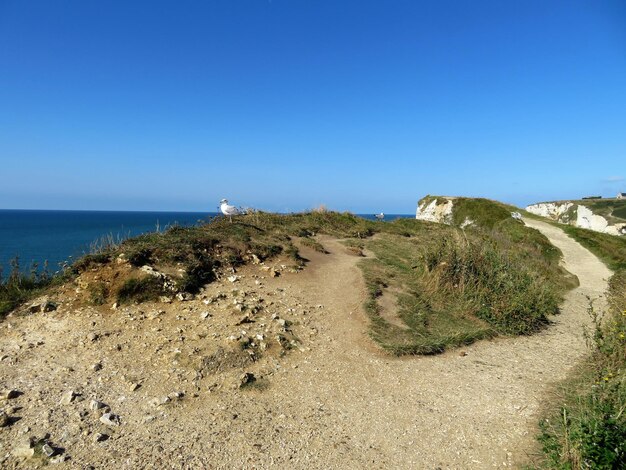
18, 287
456, 286
588, 429
451, 286
140, 290
609, 248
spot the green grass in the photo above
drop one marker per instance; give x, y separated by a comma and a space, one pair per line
608, 208
588, 428
453, 286
609, 248
484, 212
620, 212
140, 290
18, 287
432, 325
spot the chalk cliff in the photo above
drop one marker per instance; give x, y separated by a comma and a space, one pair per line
438, 209
579, 215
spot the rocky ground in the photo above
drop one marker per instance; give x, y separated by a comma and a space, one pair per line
93, 385
262, 371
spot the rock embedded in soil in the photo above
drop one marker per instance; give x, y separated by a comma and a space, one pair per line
47, 450
110, 419
4, 419
68, 397
96, 405
246, 379
9, 394
24, 448
48, 306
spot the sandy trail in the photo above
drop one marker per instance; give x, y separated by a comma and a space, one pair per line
349, 406
338, 403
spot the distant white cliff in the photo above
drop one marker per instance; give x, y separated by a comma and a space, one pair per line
435, 210
567, 212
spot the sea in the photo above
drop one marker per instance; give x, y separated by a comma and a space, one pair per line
56, 238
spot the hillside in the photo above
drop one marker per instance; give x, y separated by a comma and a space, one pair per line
600, 215
262, 341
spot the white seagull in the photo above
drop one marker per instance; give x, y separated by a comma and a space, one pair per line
380, 216
227, 209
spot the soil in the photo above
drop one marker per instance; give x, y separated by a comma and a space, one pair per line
317, 393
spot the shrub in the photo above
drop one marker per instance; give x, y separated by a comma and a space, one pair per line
503, 291
19, 287
140, 290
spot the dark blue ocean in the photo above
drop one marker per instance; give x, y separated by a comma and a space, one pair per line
62, 236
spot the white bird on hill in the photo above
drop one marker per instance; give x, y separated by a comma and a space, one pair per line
227, 209
380, 216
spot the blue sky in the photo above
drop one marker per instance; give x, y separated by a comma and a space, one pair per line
287, 104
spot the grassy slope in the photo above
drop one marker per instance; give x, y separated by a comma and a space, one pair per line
609, 248
452, 286
587, 428
455, 286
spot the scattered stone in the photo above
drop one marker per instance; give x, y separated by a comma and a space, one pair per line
160, 401
92, 336
246, 379
133, 386
463, 353
184, 296
110, 419
48, 306
24, 448
96, 405
58, 459
96, 367
151, 271
245, 319
100, 437
68, 397
176, 395
165, 299
9, 394
255, 259
47, 450
4, 419
205, 315
274, 273
233, 278
114, 306
34, 308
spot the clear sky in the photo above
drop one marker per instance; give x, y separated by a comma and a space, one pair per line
287, 104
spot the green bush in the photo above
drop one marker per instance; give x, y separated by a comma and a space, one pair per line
504, 292
19, 287
140, 290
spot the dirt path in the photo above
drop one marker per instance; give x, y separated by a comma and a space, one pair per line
350, 407
335, 401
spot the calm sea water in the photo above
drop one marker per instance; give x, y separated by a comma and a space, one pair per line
60, 236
